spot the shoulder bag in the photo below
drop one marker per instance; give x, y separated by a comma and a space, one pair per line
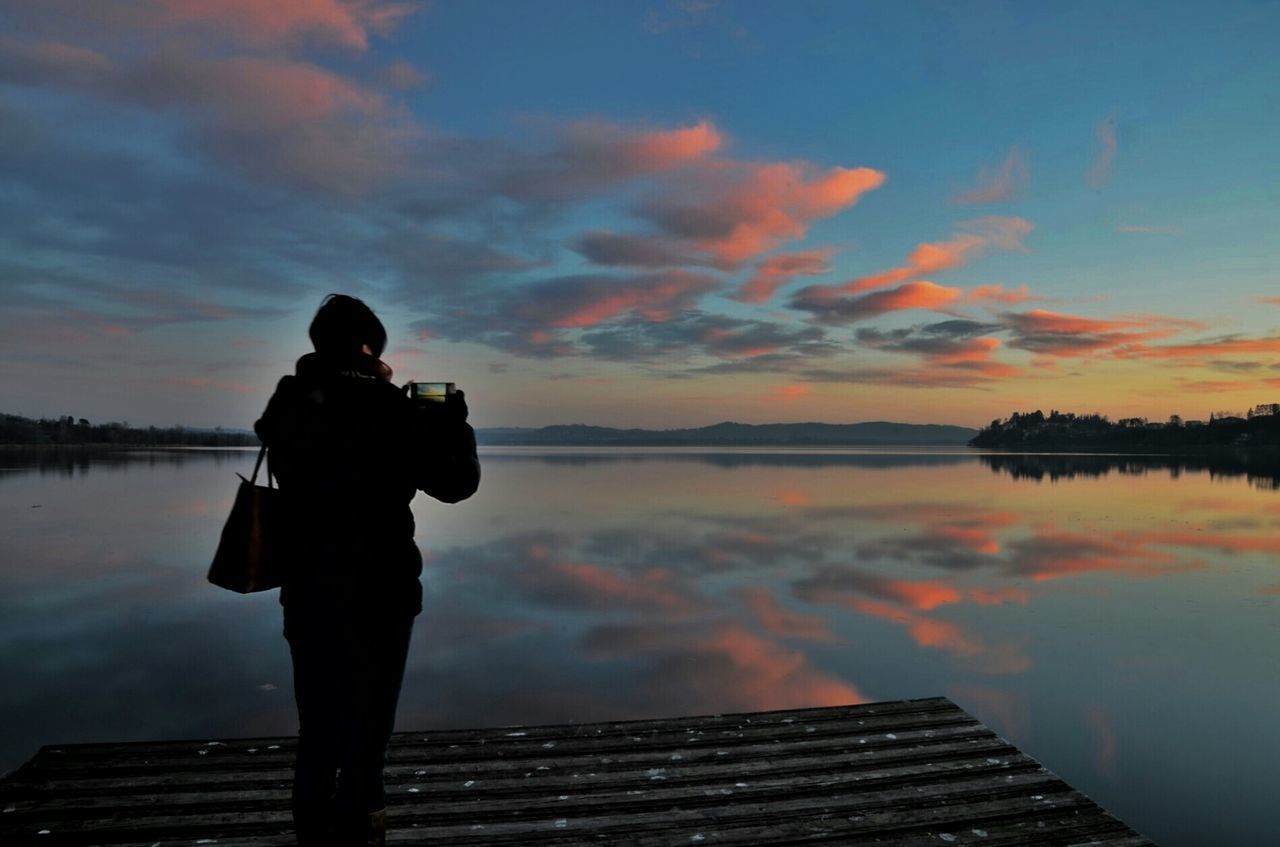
247, 559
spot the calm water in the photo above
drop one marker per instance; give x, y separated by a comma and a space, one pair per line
1116, 620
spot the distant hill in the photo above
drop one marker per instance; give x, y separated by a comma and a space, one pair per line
727, 434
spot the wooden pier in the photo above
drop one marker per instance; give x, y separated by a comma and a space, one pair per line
915, 772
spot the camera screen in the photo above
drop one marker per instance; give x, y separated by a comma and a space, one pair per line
430, 391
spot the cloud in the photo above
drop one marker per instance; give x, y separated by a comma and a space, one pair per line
826, 308
739, 342
1275, 301
346, 24
776, 271
584, 301
283, 120
1228, 345
545, 317
593, 155
949, 345
995, 185
614, 248
1100, 172
1056, 334
839, 303
735, 211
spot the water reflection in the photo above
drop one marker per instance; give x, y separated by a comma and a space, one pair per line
1089, 621
76, 461
1261, 469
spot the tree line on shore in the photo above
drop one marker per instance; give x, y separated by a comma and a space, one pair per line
16, 429
1257, 428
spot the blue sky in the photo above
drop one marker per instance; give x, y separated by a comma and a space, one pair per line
648, 213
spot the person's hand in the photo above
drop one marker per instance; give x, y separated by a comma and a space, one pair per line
455, 406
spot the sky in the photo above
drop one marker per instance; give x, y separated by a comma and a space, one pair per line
655, 213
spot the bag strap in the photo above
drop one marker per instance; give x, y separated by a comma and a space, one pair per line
261, 454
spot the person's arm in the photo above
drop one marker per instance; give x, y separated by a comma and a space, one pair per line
278, 426
448, 467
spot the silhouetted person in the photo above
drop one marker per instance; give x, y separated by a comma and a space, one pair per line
350, 451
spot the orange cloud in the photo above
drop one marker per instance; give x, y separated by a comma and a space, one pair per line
777, 271
932, 257
776, 202
1007, 182
927, 258
826, 305
663, 149
585, 301
780, 622
1275, 301
832, 303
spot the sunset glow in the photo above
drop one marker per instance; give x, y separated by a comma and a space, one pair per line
659, 214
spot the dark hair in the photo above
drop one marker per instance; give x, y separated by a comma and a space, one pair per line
343, 324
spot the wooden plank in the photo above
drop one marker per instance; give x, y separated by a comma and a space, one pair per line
898, 773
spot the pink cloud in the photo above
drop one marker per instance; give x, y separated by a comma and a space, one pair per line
585, 301
1006, 182
346, 23
776, 271
735, 211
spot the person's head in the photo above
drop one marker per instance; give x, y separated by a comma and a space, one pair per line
344, 326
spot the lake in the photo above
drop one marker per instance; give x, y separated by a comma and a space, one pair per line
1117, 618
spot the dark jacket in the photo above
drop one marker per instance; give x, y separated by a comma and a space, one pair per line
350, 450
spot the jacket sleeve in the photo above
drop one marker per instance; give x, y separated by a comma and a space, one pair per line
449, 469
278, 421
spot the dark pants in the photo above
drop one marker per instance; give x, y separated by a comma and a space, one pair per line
346, 679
